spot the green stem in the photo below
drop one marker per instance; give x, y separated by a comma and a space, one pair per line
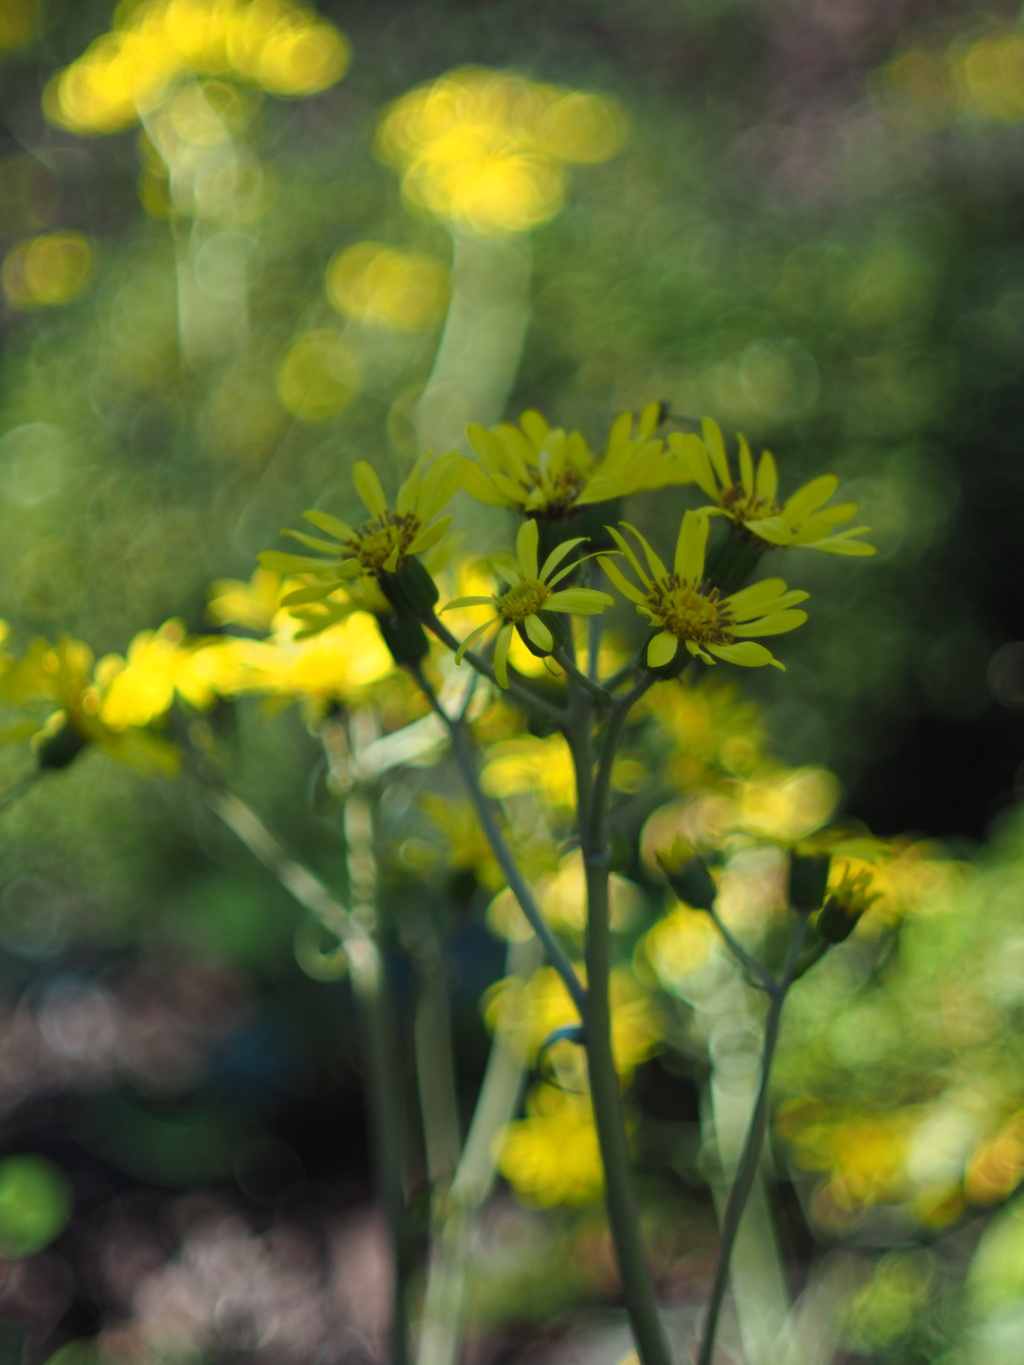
387, 1109
593, 688
750, 1159
760, 974
606, 1095
595, 627
466, 760
517, 689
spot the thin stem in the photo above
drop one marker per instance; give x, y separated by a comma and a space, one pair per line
594, 688
762, 977
19, 788
606, 1096
750, 1159
515, 687
466, 760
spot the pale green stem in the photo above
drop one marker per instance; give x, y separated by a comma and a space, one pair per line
595, 689
761, 977
746, 1171
366, 965
435, 1072
478, 356
444, 1302
466, 760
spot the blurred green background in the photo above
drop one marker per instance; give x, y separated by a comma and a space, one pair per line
812, 233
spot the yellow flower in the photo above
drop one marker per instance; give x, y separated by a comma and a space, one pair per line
547, 472
380, 547
687, 609
561, 894
751, 503
530, 592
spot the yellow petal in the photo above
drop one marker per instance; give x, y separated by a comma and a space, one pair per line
369, 488
662, 650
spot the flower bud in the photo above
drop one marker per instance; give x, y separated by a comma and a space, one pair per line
808, 879
688, 876
733, 557
59, 747
844, 907
410, 589
405, 638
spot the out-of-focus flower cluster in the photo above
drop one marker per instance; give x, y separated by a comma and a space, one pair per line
981, 77
273, 45
488, 150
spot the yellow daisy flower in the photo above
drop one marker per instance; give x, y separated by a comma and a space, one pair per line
750, 504
383, 546
544, 471
529, 598
686, 608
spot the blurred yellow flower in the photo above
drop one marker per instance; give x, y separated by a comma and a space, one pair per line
63, 675
750, 504
863, 1154
488, 150
552, 1156
19, 20
547, 472
254, 604
562, 896
386, 287
319, 375
534, 1009
47, 271
705, 732
680, 947
274, 45
337, 664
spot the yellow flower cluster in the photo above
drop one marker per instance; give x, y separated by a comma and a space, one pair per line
981, 79
274, 45
488, 150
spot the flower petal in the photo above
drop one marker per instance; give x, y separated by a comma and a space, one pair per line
778, 623
557, 555
527, 539
501, 648
747, 653
369, 488
662, 650
539, 633
746, 466
460, 653
621, 582
657, 568
623, 545
767, 484
312, 542
468, 602
325, 522
715, 447
809, 498
282, 563
428, 538
581, 601
690, 547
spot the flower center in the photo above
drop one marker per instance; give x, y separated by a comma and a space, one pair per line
560, 490
688, 613
524, 600
376, 541
743, 506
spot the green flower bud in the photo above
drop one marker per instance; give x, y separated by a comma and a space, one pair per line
60, 747
406, 639
844, 907
808, 879
688, 876
410, 590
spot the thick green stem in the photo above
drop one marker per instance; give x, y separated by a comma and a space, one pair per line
435, 1071
746, 1171
606, 1095
595, 689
